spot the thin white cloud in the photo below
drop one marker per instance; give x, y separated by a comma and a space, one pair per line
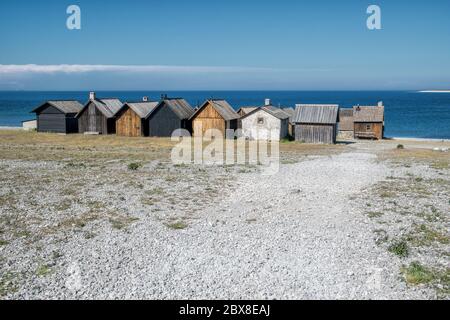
15, 69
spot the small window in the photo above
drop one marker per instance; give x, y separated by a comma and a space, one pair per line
368, 127
260, 120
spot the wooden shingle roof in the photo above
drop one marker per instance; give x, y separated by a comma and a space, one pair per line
142, 109
179, 106
246, 110
290, 112
108, 107
368, 114
65, 106
276, 112
316, 113
222, 107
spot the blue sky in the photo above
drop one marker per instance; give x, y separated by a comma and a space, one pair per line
246, 44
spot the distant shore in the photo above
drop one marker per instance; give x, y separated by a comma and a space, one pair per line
434, 91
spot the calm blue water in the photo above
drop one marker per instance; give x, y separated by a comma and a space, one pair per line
408, 114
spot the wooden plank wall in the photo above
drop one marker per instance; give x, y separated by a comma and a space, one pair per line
92, 120
315, 133
369, 130
129, 124
208, 118
163, 122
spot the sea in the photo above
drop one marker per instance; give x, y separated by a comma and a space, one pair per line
408, 114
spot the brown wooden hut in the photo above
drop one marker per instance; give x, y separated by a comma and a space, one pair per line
214, 114
98, 115
315, 123
58, 116
131, 118
346, 125
369, 121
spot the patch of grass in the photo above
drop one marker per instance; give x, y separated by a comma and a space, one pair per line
134, 166
400, 147
64, 205
7, 283
122, 222
387, 194
89, 235
75, 165
3, 242
43, 270
416, 274
399, 248
423, 235
374, 214
440, 165
178, 225
434, 216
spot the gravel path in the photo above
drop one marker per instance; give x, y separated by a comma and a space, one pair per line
294, 235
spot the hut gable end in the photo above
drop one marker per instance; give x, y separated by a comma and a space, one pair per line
208, 112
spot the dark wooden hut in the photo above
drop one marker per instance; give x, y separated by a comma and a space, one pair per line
291, 127
346, 124
316, 123
214, 114
169, 115
369, 121
58, 116
131, 118
98, 115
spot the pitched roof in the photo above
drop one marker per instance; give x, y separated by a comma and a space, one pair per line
65, 106
222, 107
290, 112
142, 109
179, 106
276, 112
346, 120
109, 107
316, 113
368, 113
246, 110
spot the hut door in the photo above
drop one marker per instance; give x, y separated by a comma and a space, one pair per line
92, 126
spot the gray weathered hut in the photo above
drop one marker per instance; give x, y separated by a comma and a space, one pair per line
169, 115
346, 125
131, 118
58, 116
98, 115
316, 123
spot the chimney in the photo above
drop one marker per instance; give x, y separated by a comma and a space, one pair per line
380, 103
145, 99
92, 95
163, 96
267, 102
